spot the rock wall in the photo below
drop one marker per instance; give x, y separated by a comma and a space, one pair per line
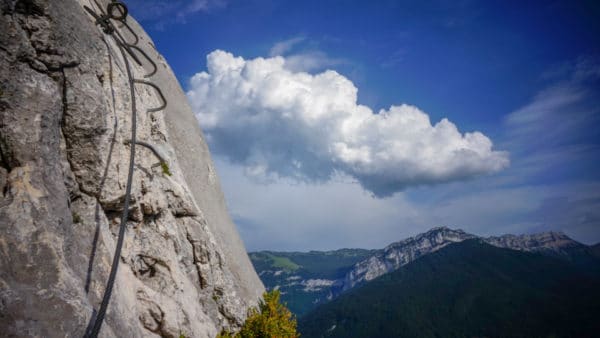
65, 119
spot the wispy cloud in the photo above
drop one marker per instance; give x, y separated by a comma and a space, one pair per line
301, 58
202, 6
394, 59
280, 123
554, 112
282, 47
163, 12
311, 61
583, 69
555, 133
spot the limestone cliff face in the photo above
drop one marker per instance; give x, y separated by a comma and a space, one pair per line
65, 119
549, 242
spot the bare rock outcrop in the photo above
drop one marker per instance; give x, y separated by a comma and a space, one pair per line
65, 121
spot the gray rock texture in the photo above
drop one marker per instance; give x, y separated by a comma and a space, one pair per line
556, 242
65, 119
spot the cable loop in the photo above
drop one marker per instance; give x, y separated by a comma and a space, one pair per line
122, 10
117, 11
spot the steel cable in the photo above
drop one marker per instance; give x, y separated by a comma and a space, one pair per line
126, 49
125, 215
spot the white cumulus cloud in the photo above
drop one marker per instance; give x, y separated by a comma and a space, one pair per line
281, 123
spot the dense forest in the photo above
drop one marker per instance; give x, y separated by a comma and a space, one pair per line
467, 289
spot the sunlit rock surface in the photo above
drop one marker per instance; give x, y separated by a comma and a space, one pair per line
65, 119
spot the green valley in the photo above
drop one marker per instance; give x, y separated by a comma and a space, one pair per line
305, 279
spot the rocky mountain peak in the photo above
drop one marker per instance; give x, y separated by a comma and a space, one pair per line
434, 236
401, 253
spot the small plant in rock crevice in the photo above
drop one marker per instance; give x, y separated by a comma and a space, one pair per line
165, 168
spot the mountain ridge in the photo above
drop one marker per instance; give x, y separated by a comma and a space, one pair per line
405, 251
468, 288
399, 253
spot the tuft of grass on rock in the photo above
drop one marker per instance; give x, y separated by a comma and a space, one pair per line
76, 217
165, 168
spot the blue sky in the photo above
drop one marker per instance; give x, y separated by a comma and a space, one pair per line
518, 84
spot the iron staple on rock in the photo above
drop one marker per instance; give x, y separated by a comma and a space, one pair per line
163, 162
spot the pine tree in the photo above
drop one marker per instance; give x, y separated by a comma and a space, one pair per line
271, 320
